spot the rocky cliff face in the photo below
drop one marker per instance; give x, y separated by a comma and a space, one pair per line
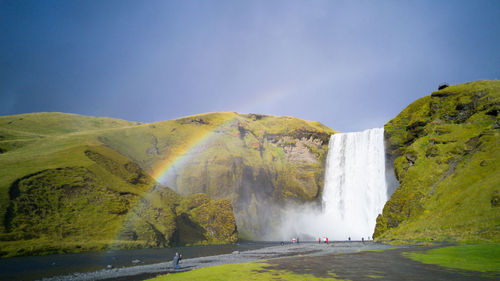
259, 163
259, 170
445, 152
72, 183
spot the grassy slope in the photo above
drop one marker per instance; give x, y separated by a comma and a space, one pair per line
33, 142
241, 157
66, 147
72, 193
482, 257
446, 159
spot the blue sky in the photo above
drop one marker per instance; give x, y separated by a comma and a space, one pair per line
351, 65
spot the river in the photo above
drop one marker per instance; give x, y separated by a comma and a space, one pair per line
38, 267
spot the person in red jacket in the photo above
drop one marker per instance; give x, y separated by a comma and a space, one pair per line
326, 240
319, 240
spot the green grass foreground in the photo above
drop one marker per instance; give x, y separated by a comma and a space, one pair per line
240, 271
481, 257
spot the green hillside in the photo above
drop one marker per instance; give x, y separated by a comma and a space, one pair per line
72, 182
258, 162
446, 155
62, 190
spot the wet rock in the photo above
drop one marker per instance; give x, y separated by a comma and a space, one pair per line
434, 107
495, 199
415, 130
195, 120
411, 157
464, 111
432, 151
236, 252
199, 121
109, 266
493, 112
136, 261
472, 144
441, 94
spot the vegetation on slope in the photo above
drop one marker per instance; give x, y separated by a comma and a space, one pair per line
241, 271
61, 190
258, 162
72, 182
445, 152
482, 257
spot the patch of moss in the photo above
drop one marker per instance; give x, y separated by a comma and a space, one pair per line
482, 257
249, 160
438, 144
110, 202
240, 271
215, 219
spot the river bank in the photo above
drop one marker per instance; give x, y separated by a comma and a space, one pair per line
29, 268
141, 272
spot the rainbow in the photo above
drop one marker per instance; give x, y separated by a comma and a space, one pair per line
181, 154
178, 156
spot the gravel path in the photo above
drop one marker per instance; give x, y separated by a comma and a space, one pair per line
142, 272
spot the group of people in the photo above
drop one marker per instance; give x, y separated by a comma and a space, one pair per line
325, 240
362, 239
178, 257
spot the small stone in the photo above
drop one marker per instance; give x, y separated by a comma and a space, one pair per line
109, 266
443, 86
411, 157
236, 252
136, 261
495, 199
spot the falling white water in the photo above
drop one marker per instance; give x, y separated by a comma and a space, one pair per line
354, 193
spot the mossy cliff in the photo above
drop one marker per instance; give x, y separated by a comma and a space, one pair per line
62, 190
445, 149
259, 163
73, 183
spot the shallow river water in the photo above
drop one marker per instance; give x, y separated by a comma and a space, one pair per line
38, 267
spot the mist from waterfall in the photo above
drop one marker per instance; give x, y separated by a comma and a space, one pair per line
354, 193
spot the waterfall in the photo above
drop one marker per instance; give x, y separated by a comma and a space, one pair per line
355, 190
354, 193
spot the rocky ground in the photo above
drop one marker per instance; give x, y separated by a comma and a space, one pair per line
142, 272
372, 265
348, 261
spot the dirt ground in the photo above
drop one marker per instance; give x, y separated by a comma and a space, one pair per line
372, 265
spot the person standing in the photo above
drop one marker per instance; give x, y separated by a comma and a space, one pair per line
176, 260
